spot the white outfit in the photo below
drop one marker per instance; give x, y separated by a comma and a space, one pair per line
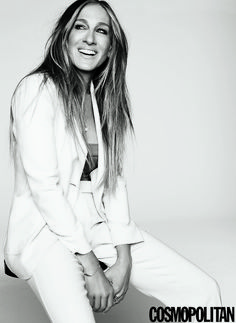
48, 168
157, 271
54, 215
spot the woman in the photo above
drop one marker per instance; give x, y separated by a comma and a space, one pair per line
70, 236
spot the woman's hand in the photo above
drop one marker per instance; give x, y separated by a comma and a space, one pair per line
100, 291
119, 273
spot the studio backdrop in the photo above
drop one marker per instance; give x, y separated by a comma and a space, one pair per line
181, 167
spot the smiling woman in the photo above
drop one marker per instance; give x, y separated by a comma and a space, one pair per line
70, 235
89, 42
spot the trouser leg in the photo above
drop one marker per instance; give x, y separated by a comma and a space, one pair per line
58, 281
161, 272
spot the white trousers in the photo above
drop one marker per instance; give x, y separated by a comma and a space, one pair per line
157, 271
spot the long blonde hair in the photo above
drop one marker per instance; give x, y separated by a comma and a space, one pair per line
110, 87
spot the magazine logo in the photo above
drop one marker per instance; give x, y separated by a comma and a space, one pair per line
191, 314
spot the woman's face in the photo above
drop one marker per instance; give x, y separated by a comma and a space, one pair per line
89, 40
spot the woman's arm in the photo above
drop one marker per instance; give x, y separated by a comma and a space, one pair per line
122, 227
33, 109
124, 232
100, 290
119, 273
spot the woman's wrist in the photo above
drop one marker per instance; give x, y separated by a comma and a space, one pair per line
124, 254
89, 262
90, 274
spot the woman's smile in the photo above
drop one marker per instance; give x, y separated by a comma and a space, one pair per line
89, 40
87, 52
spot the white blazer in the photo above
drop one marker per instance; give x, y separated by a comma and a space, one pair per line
48, 167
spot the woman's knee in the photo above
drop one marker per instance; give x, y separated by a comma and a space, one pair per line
208, 291
58, 281
213, 292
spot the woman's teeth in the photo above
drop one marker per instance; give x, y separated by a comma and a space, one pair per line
87, 52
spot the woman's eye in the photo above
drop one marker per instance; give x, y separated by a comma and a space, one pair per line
102, 31
79, 26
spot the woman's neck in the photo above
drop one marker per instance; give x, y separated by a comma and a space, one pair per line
87, 77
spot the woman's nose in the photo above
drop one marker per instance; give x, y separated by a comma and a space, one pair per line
89, 37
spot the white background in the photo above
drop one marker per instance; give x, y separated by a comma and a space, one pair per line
182, 80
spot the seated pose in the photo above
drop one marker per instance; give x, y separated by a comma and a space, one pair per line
70, 235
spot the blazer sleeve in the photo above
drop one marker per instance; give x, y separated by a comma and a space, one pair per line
123, 229
33, 111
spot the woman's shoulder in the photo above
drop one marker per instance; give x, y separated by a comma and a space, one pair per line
31, 90
33, 83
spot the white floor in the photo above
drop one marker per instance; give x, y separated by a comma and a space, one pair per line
209, 244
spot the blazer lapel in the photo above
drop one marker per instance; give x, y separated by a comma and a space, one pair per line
96, 174
101, 165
